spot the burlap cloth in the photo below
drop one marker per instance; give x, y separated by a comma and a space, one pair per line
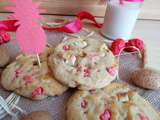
56, 105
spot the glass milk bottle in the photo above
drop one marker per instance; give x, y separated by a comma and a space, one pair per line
120, 18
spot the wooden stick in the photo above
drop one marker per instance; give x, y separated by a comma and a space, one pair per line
39, 62
49, 45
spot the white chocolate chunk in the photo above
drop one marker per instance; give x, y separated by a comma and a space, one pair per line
80, 44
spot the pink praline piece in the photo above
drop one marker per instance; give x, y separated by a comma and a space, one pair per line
84, 104
112, 71
38, 91
105, 115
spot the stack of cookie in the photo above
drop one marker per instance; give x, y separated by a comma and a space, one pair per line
114, 102
87, 65
25, 77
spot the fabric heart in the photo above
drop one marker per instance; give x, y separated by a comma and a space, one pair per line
136, 43
119, 45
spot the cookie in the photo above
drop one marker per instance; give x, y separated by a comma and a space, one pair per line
146, 78
114, 102
38, 115
25, 77
5, 57
86, 64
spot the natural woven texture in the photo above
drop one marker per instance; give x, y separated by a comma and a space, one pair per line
56, 105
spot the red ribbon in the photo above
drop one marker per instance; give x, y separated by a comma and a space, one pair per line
72, 27
86, 15
8, 25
